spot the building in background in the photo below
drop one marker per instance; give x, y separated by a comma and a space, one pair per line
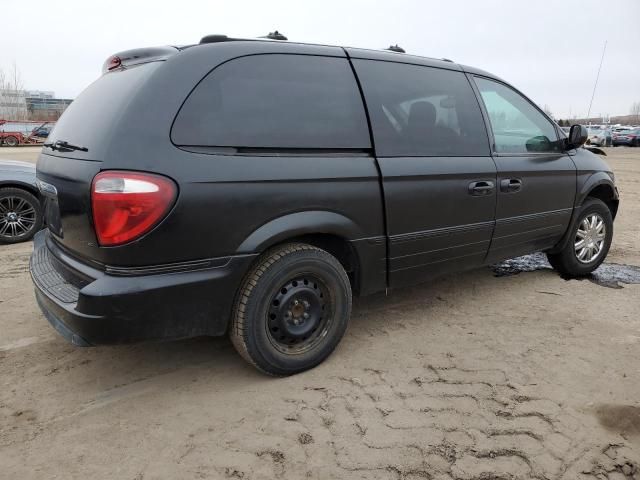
19, 105
13, 105
44, 105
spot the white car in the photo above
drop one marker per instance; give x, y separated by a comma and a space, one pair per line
600, 137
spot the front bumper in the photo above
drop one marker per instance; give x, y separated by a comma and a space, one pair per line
90, 307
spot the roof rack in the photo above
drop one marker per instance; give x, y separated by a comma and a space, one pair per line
275, 35
396, 48
215, 38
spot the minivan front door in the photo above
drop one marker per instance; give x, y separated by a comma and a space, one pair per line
536, 178
438, 177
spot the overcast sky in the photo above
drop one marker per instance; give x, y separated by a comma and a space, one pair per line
548, 49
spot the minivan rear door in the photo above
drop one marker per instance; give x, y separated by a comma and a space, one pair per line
438, 175
65, 174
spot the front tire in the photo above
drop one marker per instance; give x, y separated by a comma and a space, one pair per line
588, 245
292, 309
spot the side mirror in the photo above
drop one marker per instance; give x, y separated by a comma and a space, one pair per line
578, 135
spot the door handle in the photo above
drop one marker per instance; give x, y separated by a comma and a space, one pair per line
483, 187
510, 185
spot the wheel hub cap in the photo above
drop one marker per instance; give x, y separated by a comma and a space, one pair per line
590, 238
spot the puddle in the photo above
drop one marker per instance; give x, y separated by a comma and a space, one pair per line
622, 419
610, 275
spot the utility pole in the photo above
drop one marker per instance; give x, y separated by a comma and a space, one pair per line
597, 77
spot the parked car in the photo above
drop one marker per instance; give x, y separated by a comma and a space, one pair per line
41, 132
600, 137
272, 180
20, 209
630, 138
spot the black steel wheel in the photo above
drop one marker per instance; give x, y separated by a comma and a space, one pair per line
20, 215
291, 310
299, 315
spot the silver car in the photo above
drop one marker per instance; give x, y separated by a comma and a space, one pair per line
599, 136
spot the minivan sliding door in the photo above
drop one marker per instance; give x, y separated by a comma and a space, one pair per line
438, 175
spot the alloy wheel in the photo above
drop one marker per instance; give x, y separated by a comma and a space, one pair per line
590, 237
17, 217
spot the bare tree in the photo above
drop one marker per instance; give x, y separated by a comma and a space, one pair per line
547, 110
12, 96
635, 111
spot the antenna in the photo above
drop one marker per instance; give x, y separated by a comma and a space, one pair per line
276, 35
396, 48
597, 77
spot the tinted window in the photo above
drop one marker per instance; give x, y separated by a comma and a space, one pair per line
275, 101
93, 114
421, 111
518, 127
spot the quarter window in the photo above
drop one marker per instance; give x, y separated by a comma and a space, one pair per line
421, 111
518, 127
275, 101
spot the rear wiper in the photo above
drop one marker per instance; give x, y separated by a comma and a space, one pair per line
64, 146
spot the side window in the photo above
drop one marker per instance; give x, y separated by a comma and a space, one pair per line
518, 127
421, 111
275, 101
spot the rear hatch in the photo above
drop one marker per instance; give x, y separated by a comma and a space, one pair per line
75, 151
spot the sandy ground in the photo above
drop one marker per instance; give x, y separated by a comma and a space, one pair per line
471, 376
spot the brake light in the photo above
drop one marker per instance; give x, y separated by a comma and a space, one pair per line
126, 205
113, 62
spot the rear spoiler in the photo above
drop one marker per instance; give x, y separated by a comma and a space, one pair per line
129, 58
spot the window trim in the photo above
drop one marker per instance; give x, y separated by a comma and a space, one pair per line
278, 151
487, 119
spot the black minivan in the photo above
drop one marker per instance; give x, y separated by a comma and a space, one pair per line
251, 186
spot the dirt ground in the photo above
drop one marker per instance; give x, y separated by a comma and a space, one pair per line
471, 376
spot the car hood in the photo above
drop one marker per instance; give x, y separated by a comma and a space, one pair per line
17, 166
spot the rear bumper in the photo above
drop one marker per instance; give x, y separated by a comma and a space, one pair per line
90, 307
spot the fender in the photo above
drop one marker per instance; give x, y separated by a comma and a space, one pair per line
300, 223
595, 180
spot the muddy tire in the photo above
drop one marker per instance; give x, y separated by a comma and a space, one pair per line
292, 309
11, 141
20, 215
589, 242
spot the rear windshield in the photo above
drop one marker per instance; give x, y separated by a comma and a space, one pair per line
91, 116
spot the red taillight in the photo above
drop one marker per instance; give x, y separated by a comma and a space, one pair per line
126, 205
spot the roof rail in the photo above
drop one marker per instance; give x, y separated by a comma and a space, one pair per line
275, 35
396, 48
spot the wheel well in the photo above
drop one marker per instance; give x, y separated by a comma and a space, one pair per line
605, 193
337, 246
28, 188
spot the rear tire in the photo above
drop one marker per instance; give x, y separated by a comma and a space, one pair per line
292, 309
11, 141
20, 215
589, 241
